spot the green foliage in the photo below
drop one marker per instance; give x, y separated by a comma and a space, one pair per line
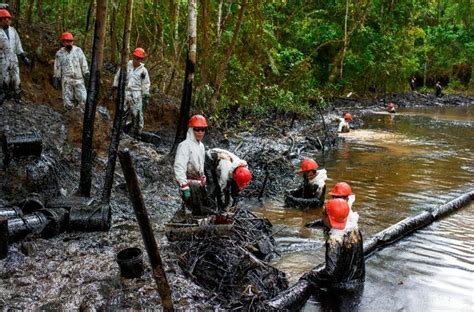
290, 52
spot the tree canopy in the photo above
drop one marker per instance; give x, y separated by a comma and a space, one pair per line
277, 54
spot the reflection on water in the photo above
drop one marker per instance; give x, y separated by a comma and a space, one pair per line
397, 166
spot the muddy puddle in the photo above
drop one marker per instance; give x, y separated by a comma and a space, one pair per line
397, 166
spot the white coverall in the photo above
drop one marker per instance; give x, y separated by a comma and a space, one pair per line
138, 84
189, 160
71, 67
228, 162
343, 125
10, 48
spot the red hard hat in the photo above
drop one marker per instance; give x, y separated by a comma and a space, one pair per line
242, 176
341, 189
197, 121
337, 211
308, 165
67, 36
139, 52
5, 13
391, 105
348, 116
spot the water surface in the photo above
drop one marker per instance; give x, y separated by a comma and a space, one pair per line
398, 165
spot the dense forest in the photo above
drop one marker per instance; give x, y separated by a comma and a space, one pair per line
279, 54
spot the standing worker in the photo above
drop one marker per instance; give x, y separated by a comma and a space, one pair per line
439, 89
311, 194
70, 70
344, 123
137, 89
344, 272
413, 83
226, 176
10, 50
189, 166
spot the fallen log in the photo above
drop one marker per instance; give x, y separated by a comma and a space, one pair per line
294, 297
189, 233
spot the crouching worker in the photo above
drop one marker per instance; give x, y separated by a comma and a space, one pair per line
311, 193
344, 123
391, 108
226, 176
343, 274
189, 167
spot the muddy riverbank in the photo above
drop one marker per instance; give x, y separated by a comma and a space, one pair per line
78, 270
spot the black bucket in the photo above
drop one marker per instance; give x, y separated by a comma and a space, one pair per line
130, 261
3, 238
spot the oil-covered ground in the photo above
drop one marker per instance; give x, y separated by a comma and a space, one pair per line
78, 270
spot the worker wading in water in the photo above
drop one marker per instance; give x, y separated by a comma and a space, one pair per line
340, 281
391, 108
311, 193
137, 89
344, 123
340, 190
226, 176
70, 70
189, 167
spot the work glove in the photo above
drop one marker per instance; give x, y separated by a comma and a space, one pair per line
25, 59
57, 83
186, 191
146, 100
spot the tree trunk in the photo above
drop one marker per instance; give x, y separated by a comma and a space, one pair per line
119, 103
188, 77
39, 10
92, 98
219, 21
175, 23
29, 12
230, 48
113, 34
345, 40
205, 42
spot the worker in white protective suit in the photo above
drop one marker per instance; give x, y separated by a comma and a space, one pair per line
311, 194
344, 123
70, 70
10, 50
189, 167
137, 89
226, 176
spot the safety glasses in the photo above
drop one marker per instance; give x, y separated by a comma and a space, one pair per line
199, 129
